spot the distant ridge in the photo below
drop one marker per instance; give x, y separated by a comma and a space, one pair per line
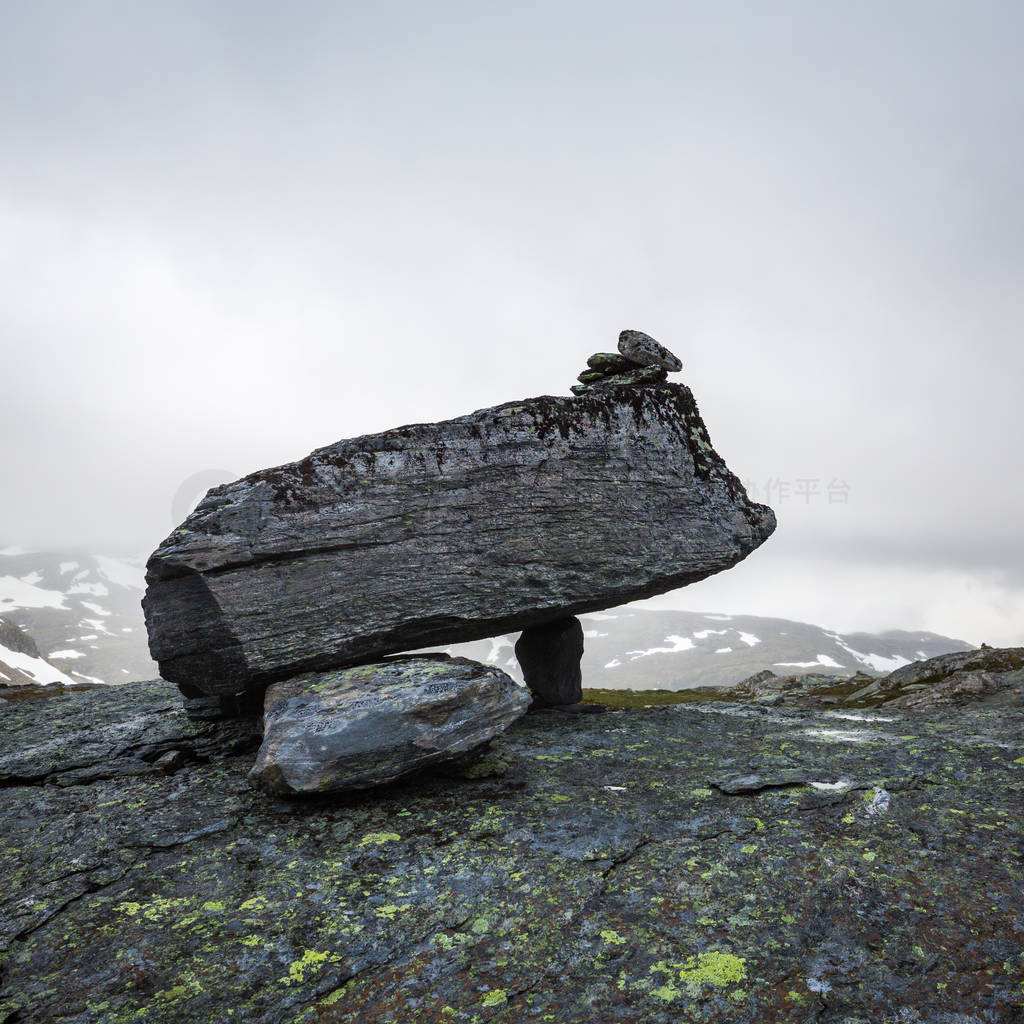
635, 648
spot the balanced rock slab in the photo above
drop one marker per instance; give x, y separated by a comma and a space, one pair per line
353, 728
425, 535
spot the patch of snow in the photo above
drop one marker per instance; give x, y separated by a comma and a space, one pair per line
880, 663
823, 661
875, 661
66, 567
69, 653
921, 656
15, 593
719, 618
703, 634
615, 789
679, 643
34, 668
724, 650
96, 624
15, 549
2, 676
600, 616
32, 578
91, 636
591, 633
127, 629
94, 608
749, 639
122, 573
614, 663
96, 589
841, 786
126, 672
91, 679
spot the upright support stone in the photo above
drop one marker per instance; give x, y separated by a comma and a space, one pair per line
550, 658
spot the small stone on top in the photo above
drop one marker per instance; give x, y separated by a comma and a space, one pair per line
643, 349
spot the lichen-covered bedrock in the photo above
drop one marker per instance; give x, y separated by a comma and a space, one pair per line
871, 873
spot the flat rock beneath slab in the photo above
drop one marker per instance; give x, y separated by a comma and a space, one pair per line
603, 877
329, 732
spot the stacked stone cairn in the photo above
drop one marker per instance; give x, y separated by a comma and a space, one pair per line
640, 361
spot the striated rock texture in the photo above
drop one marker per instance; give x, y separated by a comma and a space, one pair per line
497, 521
718, 862
353, 728
550, 658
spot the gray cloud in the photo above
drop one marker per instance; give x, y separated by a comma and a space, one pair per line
232, 233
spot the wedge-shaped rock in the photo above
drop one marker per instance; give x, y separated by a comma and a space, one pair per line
366, 726
510, 517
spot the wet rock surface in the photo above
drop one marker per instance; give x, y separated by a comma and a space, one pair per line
865, 868
551, 506
354, 728
550, 658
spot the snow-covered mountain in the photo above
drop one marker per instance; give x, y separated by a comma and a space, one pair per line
632, 648
84, 613
82, 610
21, 663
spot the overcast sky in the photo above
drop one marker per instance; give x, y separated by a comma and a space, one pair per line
232, 232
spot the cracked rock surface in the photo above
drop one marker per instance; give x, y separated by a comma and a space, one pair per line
698, 862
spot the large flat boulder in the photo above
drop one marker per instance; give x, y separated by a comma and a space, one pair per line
329, 732
511, 517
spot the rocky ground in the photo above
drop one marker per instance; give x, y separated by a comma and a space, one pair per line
700, 862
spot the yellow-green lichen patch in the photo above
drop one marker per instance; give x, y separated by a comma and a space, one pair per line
379, 838
309, 963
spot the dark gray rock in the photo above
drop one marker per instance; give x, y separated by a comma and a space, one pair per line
550, 658
611, 362
643, 349
641, 377
354, 728
14, 638
423, 535
601, 878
